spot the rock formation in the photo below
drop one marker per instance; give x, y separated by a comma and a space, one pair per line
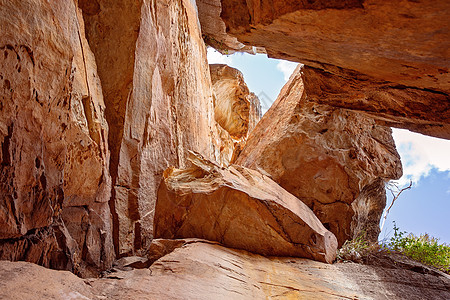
98, 98
239, 208
214, 30
396, 53
236, 110
54, 183
152, 64
200, 270
326, 157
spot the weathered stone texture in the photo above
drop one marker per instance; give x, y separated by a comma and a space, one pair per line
158, 96
390, 104
389, 58
201, 270
214, 30
54, 158
323, 155
239, 208
236, 110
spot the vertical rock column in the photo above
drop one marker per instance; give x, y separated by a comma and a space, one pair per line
54, 163
152, 63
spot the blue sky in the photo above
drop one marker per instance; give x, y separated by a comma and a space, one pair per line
425, 208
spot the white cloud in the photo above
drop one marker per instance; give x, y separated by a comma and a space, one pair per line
287, 68
420, 154
214, 57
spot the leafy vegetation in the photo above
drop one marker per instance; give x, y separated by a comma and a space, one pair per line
423, 248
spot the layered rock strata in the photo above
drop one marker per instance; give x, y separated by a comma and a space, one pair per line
236, 110
393, 58
239, 208
206, 271
330, 158
152, 63
54, 163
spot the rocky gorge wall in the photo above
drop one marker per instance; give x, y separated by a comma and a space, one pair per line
55, 183
98, 99
152, 63
114, 130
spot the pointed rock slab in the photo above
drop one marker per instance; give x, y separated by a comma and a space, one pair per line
240, 208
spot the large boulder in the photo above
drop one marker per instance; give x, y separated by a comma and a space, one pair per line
239, 208
326, 157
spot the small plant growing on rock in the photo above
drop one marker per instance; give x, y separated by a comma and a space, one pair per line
423, 248
358, 249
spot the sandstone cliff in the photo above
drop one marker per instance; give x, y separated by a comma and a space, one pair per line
326, 157
55, 183
101, 103
131, 107
155, 78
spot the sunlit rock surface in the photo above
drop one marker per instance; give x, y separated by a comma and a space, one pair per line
155, 77
325, 156
236, 110
201, 270
54, 163
239, 208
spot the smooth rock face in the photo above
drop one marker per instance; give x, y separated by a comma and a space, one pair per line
236, 110
206, 271
325, 156
54, 177
158, 96
396, 52
239, 208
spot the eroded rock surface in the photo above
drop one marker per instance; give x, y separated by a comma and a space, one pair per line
391, 58
403, 42
326, 157
390, 104
239, 208
158, 96
54, 177
214, 29
236, 110
206, 271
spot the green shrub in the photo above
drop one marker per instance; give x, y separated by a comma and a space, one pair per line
423, 248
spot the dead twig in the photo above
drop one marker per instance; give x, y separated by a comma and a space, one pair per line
386, 212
